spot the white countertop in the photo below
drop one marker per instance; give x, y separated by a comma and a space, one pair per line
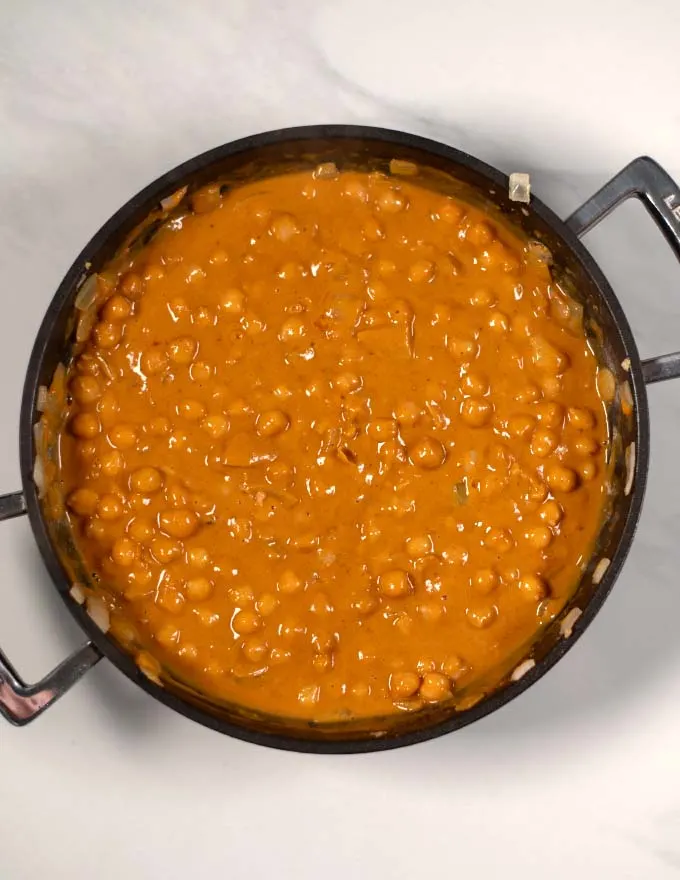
578, 777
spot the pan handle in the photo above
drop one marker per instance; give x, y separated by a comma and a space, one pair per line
21, 702
643, 179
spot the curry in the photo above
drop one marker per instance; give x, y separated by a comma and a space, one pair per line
334, 445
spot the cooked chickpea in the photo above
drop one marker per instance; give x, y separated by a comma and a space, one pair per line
289, 582
422, 271
131, 285
391, 201
255, 649
159, 426
183, 350
154, 361
146, 480
581, 419
407, 413
547, 356
551, 513
110, 507
560, 478
454, 667
107, 335
427, 453
476, 411
584, 444
528, 393
587, 471
116, 309
198, 589
431, 611
246, 621
520, 426
85, 425
499, 540
215, 425
125, 552
84, 502
549, 414
434, 687
171, 599
111, 463
122, 436
538, 537
419, 546
140, 529
272, 422
533, 587
382, 429
165, 549
475, 384
178, 523
284, 227
480, 233
191, 410
485, 580
481, 616
498, 321
85, 389
403, 685
543, 442
462, 348
267, 604
482, 298
168, 635
395, 583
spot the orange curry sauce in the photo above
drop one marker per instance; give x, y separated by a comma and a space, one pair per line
334, 446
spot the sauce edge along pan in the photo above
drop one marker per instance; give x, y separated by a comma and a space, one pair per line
461, 175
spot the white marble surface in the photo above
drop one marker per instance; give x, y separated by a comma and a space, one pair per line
581, 776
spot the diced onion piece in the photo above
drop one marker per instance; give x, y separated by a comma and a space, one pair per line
326, 171
600, 569
567, 625
98, 613
520, 187
171, 201
630, 468
87, 293
539, 252
606, 384
38, 435
521, 670
77, 593
403, 167
149, 666
626, 398
39, 476
41, 400
625, 363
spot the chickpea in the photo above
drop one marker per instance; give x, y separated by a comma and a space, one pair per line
431, 612
272, 422
392, 201
403, 685
481, 616
238, 407
520, 426
293, 330
83, 502
110, 507
427, 453
85, 389
124, 552
198, 589
215, 425
107, 335
419, 546
171, 599
178, 523
280, 474
485, 580
131, 285
407, 413
116, 309
475, 384
580, 419
255, 649
543, 442
241, 595
382, 429
191, 410
198, 557
183, 350
499, 540
546, 356
165, 549
246, 621
284, 227
528, 394
533, 587
107, 407
549, 414
154, 361
168, 635
96, 529
111, 463
159, 426
551, 513
498, 321
476, 411
85, 425
587, 471
267, 604
146, 480
122, 436
454, 667
422, 271
539, 537
395, 583
434, 687
462, 348
584, 444
482, 298
560, 478
480, 233
140, 529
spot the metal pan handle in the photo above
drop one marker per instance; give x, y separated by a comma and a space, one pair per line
643, 179
21, 702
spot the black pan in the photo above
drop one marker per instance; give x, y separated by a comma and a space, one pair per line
447, 170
